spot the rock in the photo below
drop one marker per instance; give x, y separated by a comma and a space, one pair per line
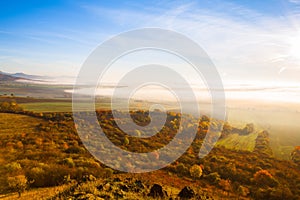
78, 194
118, 195
186, 193
117, 180
86, 197
100, 187
124, 188
88, 178
139, 184
106, 196
107, 187
157, 191
128, 179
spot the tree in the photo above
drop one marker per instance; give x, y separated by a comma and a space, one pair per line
17, 183
204, 118
295, 155
263, 178
196, 171
227, 129
225, 185
249, 128
243, 191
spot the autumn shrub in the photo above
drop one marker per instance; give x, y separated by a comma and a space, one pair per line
13, 167
10, 107
263, 179
47, 175
243, 191
75, 150
181, 169
225, 184
68, 162
213, 178
195, 171
280, 193
108, 172
37, 177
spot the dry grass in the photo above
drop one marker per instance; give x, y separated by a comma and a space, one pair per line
36, 194
17, 124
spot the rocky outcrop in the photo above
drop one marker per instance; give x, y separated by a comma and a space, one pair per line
157, 191
186, 193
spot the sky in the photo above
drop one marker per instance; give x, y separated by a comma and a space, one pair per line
247, 40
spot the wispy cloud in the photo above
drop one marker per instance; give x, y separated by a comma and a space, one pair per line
295, 1
242, 42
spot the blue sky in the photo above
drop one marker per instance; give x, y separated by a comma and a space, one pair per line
254, 39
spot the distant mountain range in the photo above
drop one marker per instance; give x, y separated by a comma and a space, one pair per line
31, 77
17, 76
4, 76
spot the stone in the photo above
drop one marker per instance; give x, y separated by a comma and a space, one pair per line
157, 191
186, 193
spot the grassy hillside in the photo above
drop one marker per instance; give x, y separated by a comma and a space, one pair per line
45, 151
13, 125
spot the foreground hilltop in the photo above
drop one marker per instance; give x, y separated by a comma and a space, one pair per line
42, 152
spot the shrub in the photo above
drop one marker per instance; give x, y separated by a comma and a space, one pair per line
69, 162
13, 167
37, 177
263, 178
10, 107
213, 178
243, 191
108, 172
196, 171
225, 184
181, 169
75, 150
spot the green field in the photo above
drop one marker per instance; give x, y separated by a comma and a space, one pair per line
58, 106
48, 106
66, 106
239, 142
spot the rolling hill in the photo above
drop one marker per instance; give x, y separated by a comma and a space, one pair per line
6, 77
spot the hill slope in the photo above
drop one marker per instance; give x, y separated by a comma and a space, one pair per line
5, 77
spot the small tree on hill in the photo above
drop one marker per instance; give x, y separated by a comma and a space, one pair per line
17, 183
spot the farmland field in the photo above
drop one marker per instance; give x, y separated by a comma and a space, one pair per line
239, 142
